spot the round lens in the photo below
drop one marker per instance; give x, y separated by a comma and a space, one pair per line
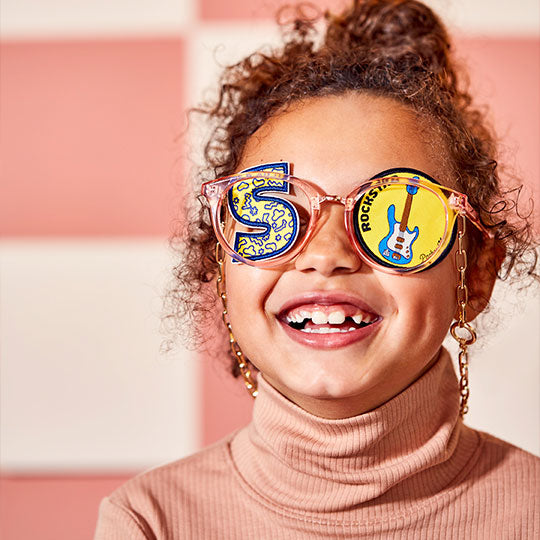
264, 218
401, 224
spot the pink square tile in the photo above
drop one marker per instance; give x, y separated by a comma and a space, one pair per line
88, 136
215, 10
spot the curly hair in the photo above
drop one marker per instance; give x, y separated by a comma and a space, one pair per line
397, 49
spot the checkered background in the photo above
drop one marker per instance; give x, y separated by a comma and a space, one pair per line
93, 165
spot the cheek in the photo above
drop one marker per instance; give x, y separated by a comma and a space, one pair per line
241, 293
427, 300
247, 289
439, 301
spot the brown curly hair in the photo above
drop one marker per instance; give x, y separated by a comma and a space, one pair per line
398, 49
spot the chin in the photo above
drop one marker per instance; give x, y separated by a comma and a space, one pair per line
325, 387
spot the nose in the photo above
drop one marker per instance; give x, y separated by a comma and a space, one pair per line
329, 250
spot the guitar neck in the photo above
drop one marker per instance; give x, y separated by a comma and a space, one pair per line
406, 212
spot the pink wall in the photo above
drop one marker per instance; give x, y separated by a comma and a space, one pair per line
254, 9
505, 74
52, 507
88, 137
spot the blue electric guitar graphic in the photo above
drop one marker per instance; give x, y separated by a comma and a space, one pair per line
396, 247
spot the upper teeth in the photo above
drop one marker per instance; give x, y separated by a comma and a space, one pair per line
336, 317
320, 317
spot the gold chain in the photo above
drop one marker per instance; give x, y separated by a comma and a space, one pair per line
470, 335
242, 363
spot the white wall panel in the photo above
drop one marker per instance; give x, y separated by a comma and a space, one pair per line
29, 19
210, 48
490, 17
504, 374
83, 384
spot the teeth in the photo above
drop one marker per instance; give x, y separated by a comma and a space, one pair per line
319, 318
336, 317
327, 330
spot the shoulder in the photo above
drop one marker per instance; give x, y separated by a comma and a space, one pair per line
144, 502
502, 467
506, 455
176, 477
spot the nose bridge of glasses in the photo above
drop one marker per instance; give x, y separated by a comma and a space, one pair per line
347, 202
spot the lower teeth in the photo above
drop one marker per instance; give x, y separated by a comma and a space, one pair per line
327, 330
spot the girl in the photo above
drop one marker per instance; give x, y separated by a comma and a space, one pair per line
356, 199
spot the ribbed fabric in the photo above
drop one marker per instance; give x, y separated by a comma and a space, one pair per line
408, 469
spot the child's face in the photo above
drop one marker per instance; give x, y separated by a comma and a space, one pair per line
337, 142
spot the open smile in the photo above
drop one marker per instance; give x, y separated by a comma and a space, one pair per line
328, 321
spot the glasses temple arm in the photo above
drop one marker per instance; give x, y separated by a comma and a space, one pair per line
459, 202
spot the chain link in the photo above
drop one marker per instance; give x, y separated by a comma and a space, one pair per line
461, 330
241, 362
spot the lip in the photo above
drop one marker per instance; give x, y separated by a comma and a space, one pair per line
330, 341
327, 298
334, 340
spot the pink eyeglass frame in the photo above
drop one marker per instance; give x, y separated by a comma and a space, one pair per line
215, 191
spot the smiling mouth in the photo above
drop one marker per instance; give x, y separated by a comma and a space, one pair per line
321, 319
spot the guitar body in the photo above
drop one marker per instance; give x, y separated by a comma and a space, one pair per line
396, 246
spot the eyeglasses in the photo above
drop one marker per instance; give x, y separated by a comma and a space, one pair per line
400, 221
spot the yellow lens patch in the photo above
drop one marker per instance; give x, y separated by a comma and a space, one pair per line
270, 223
402, 224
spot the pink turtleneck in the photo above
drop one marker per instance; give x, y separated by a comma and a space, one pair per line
408, 469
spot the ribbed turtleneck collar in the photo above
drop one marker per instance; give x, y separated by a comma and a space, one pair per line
410, 448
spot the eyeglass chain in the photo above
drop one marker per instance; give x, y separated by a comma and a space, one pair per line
462, 294
242, 364
462, 324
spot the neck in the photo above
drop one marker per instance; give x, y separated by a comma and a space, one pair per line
408, 445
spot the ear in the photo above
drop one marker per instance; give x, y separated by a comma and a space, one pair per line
481, 275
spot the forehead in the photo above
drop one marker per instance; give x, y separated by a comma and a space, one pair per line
338, 141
